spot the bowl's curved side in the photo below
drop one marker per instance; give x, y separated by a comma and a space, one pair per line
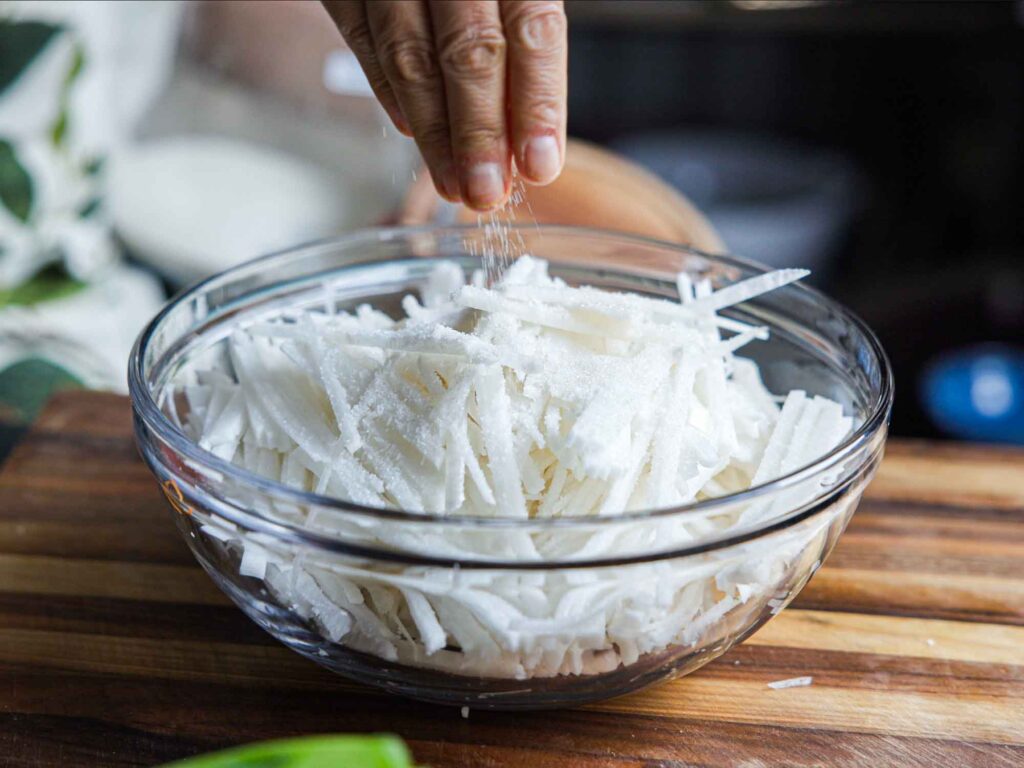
627, 622
785, 562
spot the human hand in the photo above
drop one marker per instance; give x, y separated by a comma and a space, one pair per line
477, 83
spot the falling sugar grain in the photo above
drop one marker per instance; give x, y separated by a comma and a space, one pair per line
501, 243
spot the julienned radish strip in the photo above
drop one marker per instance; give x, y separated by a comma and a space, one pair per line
528, 400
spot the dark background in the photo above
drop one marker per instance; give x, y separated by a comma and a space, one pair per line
926, 100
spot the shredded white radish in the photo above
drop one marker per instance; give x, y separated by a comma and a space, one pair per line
793, 682
529, 400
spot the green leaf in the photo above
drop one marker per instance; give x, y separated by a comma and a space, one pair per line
20, 43
27, 385
93, 166
15, 183
59, 130
311, 752
89, 208
77, 63
48, 284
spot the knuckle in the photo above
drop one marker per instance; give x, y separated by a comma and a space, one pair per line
412, 60
356, 33
474, 53
471, 138
544, 110
353, 27
432, 136
540, 28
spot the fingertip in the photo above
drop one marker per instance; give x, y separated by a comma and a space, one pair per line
484, 186
447, 185
447, 194
541, 160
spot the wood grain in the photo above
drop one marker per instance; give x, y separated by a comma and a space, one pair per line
116, 650
975, 476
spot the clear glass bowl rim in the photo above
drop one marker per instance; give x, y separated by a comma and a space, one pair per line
147, 410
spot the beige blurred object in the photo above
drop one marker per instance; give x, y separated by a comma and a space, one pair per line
596, 189
284, 47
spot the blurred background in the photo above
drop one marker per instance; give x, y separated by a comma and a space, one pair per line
144, 145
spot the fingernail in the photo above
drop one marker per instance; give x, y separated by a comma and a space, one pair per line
542, 159
449, 188
485, 185
451, 185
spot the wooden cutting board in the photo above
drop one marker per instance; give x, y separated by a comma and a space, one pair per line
116, 650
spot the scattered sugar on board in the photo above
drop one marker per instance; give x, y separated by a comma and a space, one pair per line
792, 682
521, 399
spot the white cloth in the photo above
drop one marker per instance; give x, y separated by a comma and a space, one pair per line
129, 57
128, 50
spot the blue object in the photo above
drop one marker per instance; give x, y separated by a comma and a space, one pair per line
977, 393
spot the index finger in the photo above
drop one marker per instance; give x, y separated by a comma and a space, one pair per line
471, 49
350, 18
538, 83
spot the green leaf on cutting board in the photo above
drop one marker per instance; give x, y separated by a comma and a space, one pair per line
311, 752
47, 284
15, 184
26, 385
20, 43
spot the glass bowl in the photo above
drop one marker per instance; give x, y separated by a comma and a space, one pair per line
347, 585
